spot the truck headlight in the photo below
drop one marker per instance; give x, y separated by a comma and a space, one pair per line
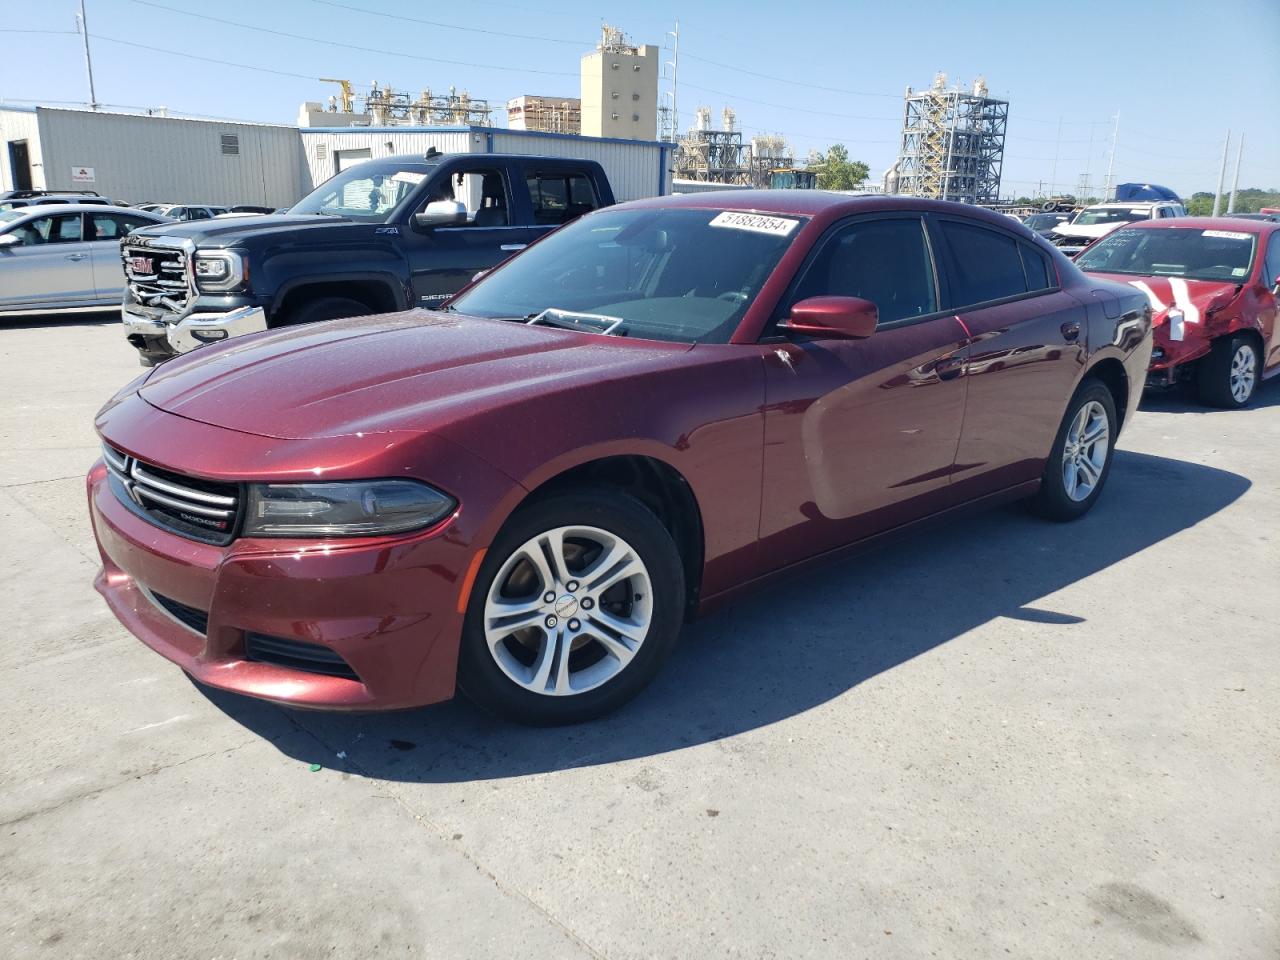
223, 270
345, 509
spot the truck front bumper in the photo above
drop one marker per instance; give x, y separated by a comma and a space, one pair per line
158, 340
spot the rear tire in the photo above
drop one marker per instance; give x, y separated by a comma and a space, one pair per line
589, 648
1228, 376
1080, 462
323, 308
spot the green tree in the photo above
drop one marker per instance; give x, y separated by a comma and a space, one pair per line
837, 172
1248, 200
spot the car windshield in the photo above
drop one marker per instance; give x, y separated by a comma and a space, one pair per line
1096, 215
368, 192
1173, 252
686, 275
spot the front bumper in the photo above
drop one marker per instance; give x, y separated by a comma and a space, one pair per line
391, 607
159, 338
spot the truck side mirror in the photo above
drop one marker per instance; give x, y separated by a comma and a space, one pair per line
440, 213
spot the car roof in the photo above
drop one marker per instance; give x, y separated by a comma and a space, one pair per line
1234, 224
812, 203
36, 210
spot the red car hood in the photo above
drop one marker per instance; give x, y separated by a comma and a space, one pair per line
1192, 297
416, 371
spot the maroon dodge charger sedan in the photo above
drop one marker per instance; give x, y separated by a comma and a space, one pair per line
635, 419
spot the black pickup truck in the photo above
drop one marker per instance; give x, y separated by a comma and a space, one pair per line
383, 235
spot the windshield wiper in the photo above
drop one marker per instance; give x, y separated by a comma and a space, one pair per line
573, 320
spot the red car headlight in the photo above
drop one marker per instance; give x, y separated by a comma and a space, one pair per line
347, 509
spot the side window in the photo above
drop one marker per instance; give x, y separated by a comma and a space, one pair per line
113, 226
884, 261
198, 213
483, 192
1272, 263
560, 197
1040, 276
985, 264
60, 229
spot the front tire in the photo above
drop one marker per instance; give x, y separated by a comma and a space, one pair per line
576, 606
1082, 452
1228, 376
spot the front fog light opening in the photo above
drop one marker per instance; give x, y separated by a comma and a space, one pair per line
344, 509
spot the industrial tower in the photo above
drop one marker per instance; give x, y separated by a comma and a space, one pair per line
952, 144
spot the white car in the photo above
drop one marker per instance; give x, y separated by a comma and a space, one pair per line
188, 211
64, 258
1100, 219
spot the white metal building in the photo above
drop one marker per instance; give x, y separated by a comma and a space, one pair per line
636, 168
137, 158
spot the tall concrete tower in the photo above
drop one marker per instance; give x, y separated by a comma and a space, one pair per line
620, 89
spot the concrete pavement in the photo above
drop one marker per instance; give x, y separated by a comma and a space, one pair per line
997, 737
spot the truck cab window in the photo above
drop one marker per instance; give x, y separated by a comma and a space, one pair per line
560, 197
483, 192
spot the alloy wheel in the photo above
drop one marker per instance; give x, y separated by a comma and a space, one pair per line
568, 610
1243, 373
1084, 453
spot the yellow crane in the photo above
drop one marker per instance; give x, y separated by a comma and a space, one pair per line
348, 93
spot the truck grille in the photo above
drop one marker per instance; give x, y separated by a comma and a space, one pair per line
198, 509
157, 276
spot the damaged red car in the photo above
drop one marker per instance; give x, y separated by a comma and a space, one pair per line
642, 416
1214, 286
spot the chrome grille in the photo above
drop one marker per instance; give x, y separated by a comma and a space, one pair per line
204, 510
157, 276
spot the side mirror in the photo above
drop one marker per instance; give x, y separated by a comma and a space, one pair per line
842, 318
440, 213
9, 240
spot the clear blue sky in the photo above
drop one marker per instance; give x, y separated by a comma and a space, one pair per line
1180, 73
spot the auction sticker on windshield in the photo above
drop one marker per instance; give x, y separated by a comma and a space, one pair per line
777, 226
1226, 234
408, 176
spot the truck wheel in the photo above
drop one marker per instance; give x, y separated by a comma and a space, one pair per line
576, 606
324, 308
1081, 458
1228, 376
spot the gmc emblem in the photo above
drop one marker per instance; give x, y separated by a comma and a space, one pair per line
141, 264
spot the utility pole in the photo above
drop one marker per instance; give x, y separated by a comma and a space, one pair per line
675, 81
1222, 175
1235, 182
88, 62
1110, 184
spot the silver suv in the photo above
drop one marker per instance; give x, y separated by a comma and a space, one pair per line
64, 258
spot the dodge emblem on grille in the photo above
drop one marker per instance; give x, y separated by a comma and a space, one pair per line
141, 264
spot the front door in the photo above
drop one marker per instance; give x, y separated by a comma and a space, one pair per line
1027, 350
861, 435
50, 266
445, 258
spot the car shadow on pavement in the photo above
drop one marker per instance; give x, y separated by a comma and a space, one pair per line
1182, 399
94, 319
795, 646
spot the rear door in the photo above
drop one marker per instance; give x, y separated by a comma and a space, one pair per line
51, 266
104, 233
1027, 350
445, 258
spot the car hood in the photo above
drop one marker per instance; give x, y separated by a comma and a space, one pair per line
234, 230
1193, 297
1090, 232
417, 371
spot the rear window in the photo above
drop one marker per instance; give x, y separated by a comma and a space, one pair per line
560, 197
987, 264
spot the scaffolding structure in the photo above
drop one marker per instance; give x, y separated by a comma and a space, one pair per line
386, 107
952, 144
714, 156
545, 114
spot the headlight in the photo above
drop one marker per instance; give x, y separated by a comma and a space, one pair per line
219, 271
366, 508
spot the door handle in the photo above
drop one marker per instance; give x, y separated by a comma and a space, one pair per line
77, 256
513, 246
1071, 331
